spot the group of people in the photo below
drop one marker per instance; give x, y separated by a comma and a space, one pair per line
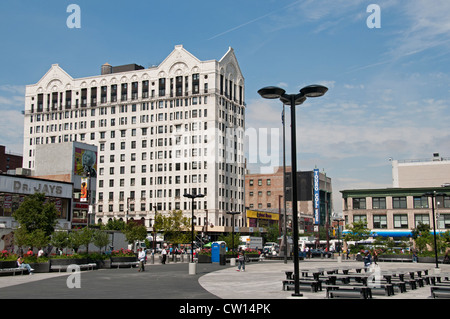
142, 257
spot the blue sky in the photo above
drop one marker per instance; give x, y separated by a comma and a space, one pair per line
389, 88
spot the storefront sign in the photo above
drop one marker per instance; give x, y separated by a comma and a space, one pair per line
27, 186
262, 215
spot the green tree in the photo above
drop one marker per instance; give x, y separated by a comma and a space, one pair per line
36, 213
39, 239
60, 239
100, 239
22, 238
75, 240
175, 227
272, 233
115, 224
228, 239
86, 237
357, 231
134, 231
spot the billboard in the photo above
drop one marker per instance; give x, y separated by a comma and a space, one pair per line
85, 163
316, 197
84, 189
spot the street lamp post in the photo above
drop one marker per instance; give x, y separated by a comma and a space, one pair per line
272, 92
193, 197
232, 227
433, 196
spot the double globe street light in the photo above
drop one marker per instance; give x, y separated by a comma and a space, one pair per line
433, 195
273, 92
193, 197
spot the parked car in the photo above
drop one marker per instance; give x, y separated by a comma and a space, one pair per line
320, 253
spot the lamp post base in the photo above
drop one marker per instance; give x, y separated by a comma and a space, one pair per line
192, 268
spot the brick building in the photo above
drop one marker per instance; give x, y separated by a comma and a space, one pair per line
8, 161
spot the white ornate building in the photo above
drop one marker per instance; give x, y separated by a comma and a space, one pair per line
161, 132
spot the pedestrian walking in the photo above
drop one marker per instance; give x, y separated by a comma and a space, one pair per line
164, 255
241, 261
415, 258
367, 259
141, 258
375, 257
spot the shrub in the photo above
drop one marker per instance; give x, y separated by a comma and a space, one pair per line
7, 256
123, 253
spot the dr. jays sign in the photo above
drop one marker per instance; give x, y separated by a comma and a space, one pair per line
10, 184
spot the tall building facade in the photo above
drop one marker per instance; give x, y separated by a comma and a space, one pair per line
395, 212
161, 132
430, 172
264, 197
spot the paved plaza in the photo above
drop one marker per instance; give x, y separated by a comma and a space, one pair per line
261, 280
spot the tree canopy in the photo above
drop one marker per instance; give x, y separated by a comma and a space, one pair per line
36, 213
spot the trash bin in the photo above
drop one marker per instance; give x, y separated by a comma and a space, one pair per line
222, 252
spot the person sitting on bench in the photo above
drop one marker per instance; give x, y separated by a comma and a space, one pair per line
21, 264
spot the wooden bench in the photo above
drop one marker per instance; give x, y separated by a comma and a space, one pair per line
12, 270
82, 266
440, 291
348, 291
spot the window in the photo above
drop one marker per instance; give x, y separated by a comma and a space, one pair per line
401, 221
359, 218
359, 203
250, 182
379, 221
259, 182
268, 182
398, 202
421, 218
444, 221
420, 202
379, 203
443, 201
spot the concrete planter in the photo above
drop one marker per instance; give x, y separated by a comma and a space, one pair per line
105, 263
40, 267
8, 264
123, 259
204, 259
68, 261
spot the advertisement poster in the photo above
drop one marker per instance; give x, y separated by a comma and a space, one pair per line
85, 163
84, 189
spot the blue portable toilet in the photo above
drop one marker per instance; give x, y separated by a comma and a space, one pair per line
215, 253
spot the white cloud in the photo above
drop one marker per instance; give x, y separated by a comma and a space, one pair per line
20, 89
11, 135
